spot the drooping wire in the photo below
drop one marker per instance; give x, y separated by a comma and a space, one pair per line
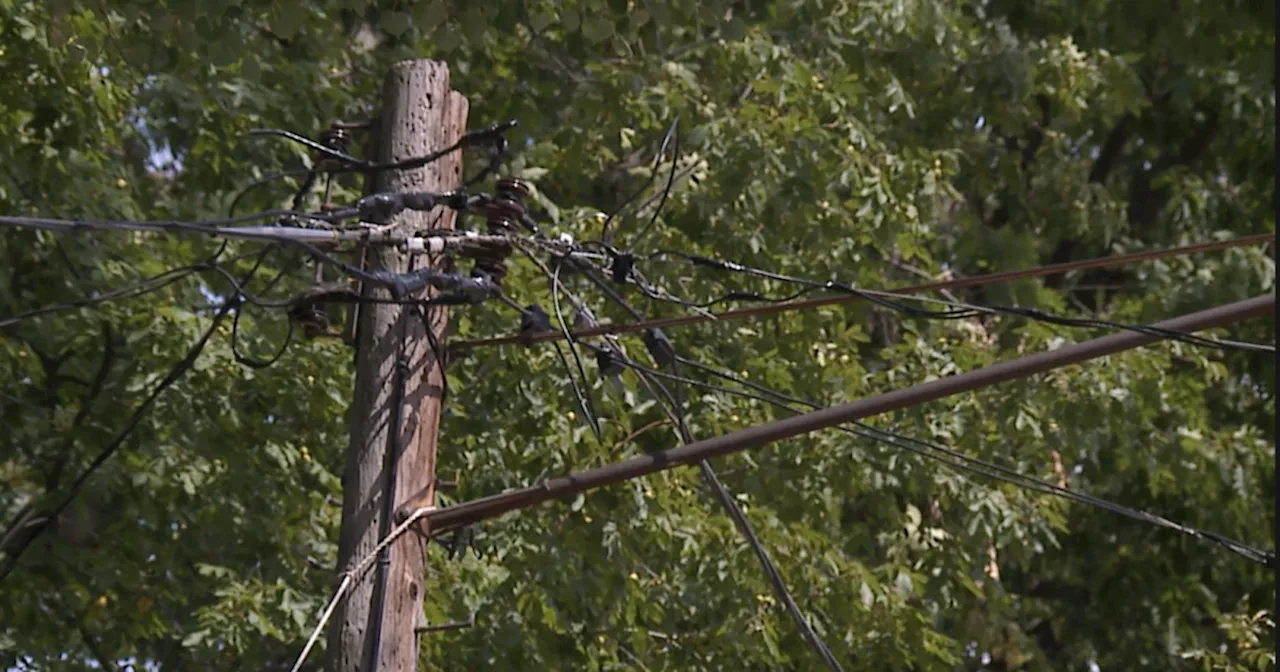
437, 350
488, 134
666, 191
605, 233
265, 181
240, 299
584, 392
959, 460
583, 396
674, 409
345, 163
175, 374
140, 288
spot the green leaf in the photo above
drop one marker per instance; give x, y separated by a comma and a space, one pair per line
285, 21
569, 20
597, 29
395, 23
734, 29
538, 21
430, 14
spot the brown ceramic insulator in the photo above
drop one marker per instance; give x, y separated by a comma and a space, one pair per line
502, 214
514, 187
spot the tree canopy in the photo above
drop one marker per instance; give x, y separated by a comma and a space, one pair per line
878, 143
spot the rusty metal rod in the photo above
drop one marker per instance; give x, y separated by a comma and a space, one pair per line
466, 513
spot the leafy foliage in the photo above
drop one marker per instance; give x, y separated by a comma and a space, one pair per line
866, 141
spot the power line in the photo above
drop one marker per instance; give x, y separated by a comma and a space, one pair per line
971, 281
467, 513
959, 460
367, 233
959, 310
140, 288
605, 233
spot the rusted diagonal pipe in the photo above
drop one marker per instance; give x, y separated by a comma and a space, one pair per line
443, 520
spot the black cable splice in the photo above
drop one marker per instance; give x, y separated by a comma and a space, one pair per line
620, 267
699, 260
659, 346
534, 320
609, 363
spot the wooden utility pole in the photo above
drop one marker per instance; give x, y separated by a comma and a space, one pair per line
396, 407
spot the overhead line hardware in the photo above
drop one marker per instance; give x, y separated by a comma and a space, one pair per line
971, 281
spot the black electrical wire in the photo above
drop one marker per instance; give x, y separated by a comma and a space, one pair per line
584, 392
390, 465
140, 288
959, 460
728, 297
605, 236
437, 350
726, 501
175, 374
312, 145
583, 396
240, 298
351, 164
661, 348
472, 138
666, 191
957, 310
265, 181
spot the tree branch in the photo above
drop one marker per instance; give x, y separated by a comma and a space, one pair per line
1115, 142
91, 393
